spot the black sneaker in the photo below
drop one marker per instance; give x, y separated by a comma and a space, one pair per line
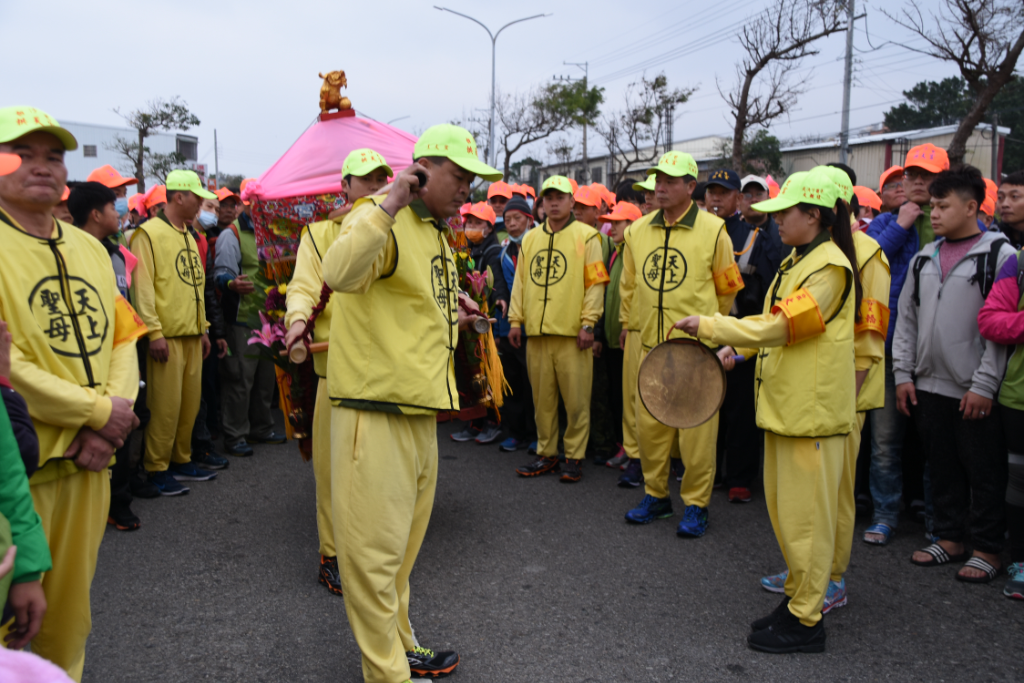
122, 517
764, 622
142, 487
539, 466
633, 476
424, 662
787, 635
329, 575
241, 449
210, 460
271, 438
572, 472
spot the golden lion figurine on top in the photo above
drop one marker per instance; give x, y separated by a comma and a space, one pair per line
330, 92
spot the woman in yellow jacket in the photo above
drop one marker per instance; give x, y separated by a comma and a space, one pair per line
804, 395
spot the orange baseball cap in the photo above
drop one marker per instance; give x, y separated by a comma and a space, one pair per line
158, 195
224, 193
9, 163
67, 193
500, 189
241, 188
519, 190
573, 184
528, 189
867, 197
483, 211
623, 211
888, 175
106, 175
588, 195
773, 187
137, 203
991, 196
929, 157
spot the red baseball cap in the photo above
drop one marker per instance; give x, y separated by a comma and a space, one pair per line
107, 175
623, 211
9, 163
500, 189
585, 194
929, 157
483, 211
867, 197
464, 209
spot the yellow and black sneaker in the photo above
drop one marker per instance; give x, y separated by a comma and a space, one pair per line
329, 575
541, 465
424, 662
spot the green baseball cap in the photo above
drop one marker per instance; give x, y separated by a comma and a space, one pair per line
360, 162
676, 164
806, 187
559, 183
646, 185
187, 181
840, 178
18, 121
457, 145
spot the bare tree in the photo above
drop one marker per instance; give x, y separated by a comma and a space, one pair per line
636, 134
158, 115
564, 153
525, 118
775, 42
984, 39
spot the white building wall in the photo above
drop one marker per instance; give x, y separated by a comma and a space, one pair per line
80, 166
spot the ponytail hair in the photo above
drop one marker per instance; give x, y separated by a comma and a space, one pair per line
837, 221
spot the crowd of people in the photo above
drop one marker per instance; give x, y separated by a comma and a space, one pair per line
871, 342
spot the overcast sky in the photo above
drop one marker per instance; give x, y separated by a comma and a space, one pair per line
249, 69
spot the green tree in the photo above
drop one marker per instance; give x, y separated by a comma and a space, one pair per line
159, 165
158, 115
580, 105
762, 154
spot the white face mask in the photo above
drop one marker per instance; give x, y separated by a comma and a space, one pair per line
517, 240
207, 219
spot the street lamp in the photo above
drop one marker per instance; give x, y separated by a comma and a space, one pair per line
494, 41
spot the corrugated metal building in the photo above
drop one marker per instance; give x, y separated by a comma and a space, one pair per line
871, 154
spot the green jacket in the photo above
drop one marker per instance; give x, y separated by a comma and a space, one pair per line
17, 509
613, 301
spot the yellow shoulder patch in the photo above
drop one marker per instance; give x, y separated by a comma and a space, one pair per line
802, 313
729, 280
874, 316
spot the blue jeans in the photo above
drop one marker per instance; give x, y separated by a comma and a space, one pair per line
888, 427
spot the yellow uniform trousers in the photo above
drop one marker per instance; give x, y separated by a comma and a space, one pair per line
383, 476
630, 368
557, 366
173, 392
801, 488
846, 509
322, 469
74, 513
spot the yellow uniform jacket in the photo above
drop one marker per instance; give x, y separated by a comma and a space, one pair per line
395, 319
168, 280
303, 293
870, 330
560, 280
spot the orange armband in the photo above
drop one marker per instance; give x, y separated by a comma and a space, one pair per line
595, 274
874, 316
729, 280
802, 314
128, 326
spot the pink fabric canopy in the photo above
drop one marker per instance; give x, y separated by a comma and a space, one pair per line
313, 164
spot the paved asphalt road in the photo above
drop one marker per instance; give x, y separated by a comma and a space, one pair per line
530, 580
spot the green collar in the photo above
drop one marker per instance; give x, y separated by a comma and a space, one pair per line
821, 238
687, 220
421, 210
572, 219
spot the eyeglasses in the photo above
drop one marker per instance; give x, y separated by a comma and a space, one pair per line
892, 186
918, 174
753, 195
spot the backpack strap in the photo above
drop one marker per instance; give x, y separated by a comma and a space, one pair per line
985, 273
919, 263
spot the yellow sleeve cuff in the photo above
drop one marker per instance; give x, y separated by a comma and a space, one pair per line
729, 280
154, 335
100, 413
595, 274
802, 315
874, 317
706, 329
862, 363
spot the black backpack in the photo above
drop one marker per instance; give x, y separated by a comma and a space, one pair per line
984, 274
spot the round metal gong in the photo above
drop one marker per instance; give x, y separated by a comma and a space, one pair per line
681, 383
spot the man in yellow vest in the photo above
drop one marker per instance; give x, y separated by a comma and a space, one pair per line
396, 313
73, 360
678, 261
363, 173
169, 284
558, 296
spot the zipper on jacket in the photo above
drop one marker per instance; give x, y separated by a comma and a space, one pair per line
661, 287
192, 275
547, 279
65, 286
451, 342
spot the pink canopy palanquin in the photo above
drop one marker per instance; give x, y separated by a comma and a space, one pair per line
312, 165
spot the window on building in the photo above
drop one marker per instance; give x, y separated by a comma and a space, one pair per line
188, 147
579, 176
89, 150
595, 174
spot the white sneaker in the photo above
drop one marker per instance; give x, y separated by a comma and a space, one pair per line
489, 435
467, 434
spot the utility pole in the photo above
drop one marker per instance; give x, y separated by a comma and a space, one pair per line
586, 163
216, 163
995, 148
844, 135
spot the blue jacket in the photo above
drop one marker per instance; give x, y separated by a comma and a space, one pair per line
508, 269
899, 246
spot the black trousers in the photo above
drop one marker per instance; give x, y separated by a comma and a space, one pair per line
1013, 428
740, 442
614, 359
967, 460
517, 413
121, 472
